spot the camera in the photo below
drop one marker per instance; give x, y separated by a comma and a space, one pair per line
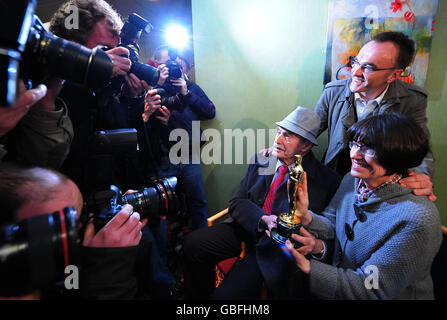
159, 199
173, 103
35, 251
30, 52
130, 34
175, 71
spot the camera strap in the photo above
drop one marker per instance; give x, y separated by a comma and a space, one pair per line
64, 239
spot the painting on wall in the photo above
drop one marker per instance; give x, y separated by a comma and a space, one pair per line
354, 22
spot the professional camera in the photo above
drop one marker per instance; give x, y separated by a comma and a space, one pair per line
173, 103
157, 200
175, 71
29, 51
35, 251
130, 34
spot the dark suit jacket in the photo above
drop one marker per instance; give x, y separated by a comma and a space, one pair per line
245, 208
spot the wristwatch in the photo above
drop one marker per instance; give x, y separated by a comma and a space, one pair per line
320, 255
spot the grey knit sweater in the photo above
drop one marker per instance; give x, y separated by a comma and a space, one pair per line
392, 251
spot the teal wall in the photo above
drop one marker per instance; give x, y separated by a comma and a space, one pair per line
258, 59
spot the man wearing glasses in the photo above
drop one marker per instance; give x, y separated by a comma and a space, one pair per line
374, 88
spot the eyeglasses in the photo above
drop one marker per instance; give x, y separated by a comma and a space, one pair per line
366, 67
364, 150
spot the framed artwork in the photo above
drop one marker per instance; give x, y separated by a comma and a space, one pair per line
354, 22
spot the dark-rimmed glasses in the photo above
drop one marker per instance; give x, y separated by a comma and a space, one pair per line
366, 67
364, 150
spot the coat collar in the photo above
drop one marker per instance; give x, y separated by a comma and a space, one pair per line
395, 92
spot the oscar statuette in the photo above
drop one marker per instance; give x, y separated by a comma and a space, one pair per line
290, 222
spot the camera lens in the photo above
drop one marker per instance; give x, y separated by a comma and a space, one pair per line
145, 72
35, 251
158, 200
47, 54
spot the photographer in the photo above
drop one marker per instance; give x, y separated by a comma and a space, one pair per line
100, 24
193, 106
107, 257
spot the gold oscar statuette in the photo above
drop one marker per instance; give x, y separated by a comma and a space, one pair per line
290, 222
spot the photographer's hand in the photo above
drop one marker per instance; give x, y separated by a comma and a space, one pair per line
181, 82
134, 86
164, 74
165, 115
10, 116
48, 101
124, 230
121, 65
152, 102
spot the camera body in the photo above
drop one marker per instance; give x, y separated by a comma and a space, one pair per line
175, 71
173, 102
130, 34
106, 206
30, 52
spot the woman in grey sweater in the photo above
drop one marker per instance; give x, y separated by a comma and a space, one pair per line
385, 237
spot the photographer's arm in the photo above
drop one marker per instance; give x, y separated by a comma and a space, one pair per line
44, 134
10, 116
196, 98
109, 257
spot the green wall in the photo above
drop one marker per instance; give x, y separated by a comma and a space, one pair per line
258, 59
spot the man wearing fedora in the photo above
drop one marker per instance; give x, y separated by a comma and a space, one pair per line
261, 196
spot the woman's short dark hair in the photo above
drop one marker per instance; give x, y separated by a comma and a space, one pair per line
400, 143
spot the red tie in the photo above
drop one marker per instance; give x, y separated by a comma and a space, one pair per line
268, 203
